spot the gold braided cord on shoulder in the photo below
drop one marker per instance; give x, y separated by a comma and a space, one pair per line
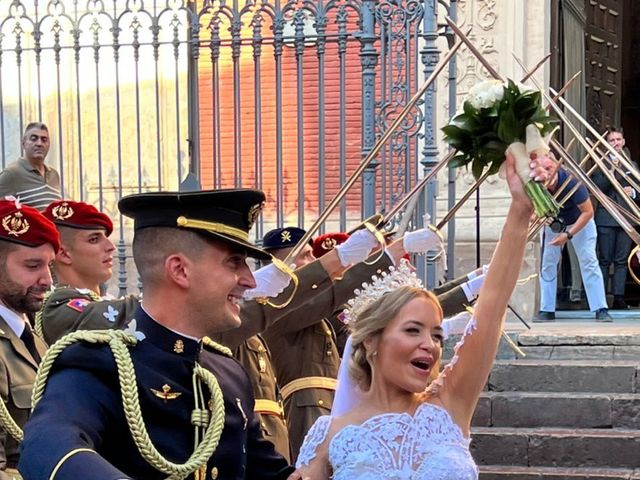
37, 324
217, 347
119, 341
9, 424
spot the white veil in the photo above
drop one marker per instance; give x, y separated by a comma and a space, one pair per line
348, 394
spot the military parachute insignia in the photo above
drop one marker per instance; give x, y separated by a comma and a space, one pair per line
329, 243
62, 211
166, 393
15, 224
285, 236
253, 213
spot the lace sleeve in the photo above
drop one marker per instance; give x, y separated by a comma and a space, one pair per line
314, 438
439, 382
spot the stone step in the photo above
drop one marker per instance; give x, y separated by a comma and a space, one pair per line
565, 376
558, 409
556, 473
573, 352
592, 334
546, 447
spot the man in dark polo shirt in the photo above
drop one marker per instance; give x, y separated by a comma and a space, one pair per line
576, 225
29, 179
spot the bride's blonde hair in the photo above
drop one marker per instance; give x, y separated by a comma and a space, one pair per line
372, 321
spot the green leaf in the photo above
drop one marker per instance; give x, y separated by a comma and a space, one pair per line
459, 161
476, 168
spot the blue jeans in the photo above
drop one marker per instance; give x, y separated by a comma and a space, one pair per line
584, 243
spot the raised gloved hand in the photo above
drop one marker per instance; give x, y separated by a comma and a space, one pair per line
472, 287
422, 240
357, 247
270, 282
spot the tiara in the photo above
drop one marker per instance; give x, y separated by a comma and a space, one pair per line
402, 276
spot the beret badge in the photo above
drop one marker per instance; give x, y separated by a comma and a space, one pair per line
253, 214
329, 243
15, 224
62, 211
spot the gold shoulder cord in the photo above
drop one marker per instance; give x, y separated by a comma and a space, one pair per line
9, 424
119, 342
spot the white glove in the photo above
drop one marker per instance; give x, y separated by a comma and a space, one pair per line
455, 325
270, 282
357, 247
474, 273
471, 287
422, 240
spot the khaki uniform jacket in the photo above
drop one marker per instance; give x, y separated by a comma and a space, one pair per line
255, 357
17, 374
69, 309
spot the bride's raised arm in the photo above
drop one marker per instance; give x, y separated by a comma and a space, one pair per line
460, 384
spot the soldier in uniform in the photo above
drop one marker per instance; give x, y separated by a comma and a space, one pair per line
28, 243
142, 406
85, 261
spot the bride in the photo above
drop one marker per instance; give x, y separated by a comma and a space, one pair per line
406, 426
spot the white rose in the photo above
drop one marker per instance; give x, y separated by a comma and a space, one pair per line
485, 94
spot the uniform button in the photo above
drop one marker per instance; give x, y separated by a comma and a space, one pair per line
328, 332
214, 473
314, 286
320, 402
244, 449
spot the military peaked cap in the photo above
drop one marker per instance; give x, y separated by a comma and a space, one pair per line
225, 215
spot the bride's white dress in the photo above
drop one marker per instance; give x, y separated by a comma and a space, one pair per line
395, 446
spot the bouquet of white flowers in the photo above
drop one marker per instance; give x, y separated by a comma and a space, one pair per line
497, 118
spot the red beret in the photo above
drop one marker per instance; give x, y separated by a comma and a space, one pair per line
68, 213
325, 243
26, 225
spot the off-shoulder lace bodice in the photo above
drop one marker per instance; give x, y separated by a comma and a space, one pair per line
395, 446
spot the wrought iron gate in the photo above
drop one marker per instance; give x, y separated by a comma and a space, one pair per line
286, 96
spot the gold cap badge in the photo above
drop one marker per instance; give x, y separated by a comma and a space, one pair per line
15, 224
62, 211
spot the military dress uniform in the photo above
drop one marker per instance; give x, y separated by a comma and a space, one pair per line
17, 374
20, 349
82, 410
255, 357
79, 427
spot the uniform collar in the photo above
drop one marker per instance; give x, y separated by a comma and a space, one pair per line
166, 339
15, 321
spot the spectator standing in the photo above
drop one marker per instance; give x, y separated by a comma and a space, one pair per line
577, 225
29, 179
614, 244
